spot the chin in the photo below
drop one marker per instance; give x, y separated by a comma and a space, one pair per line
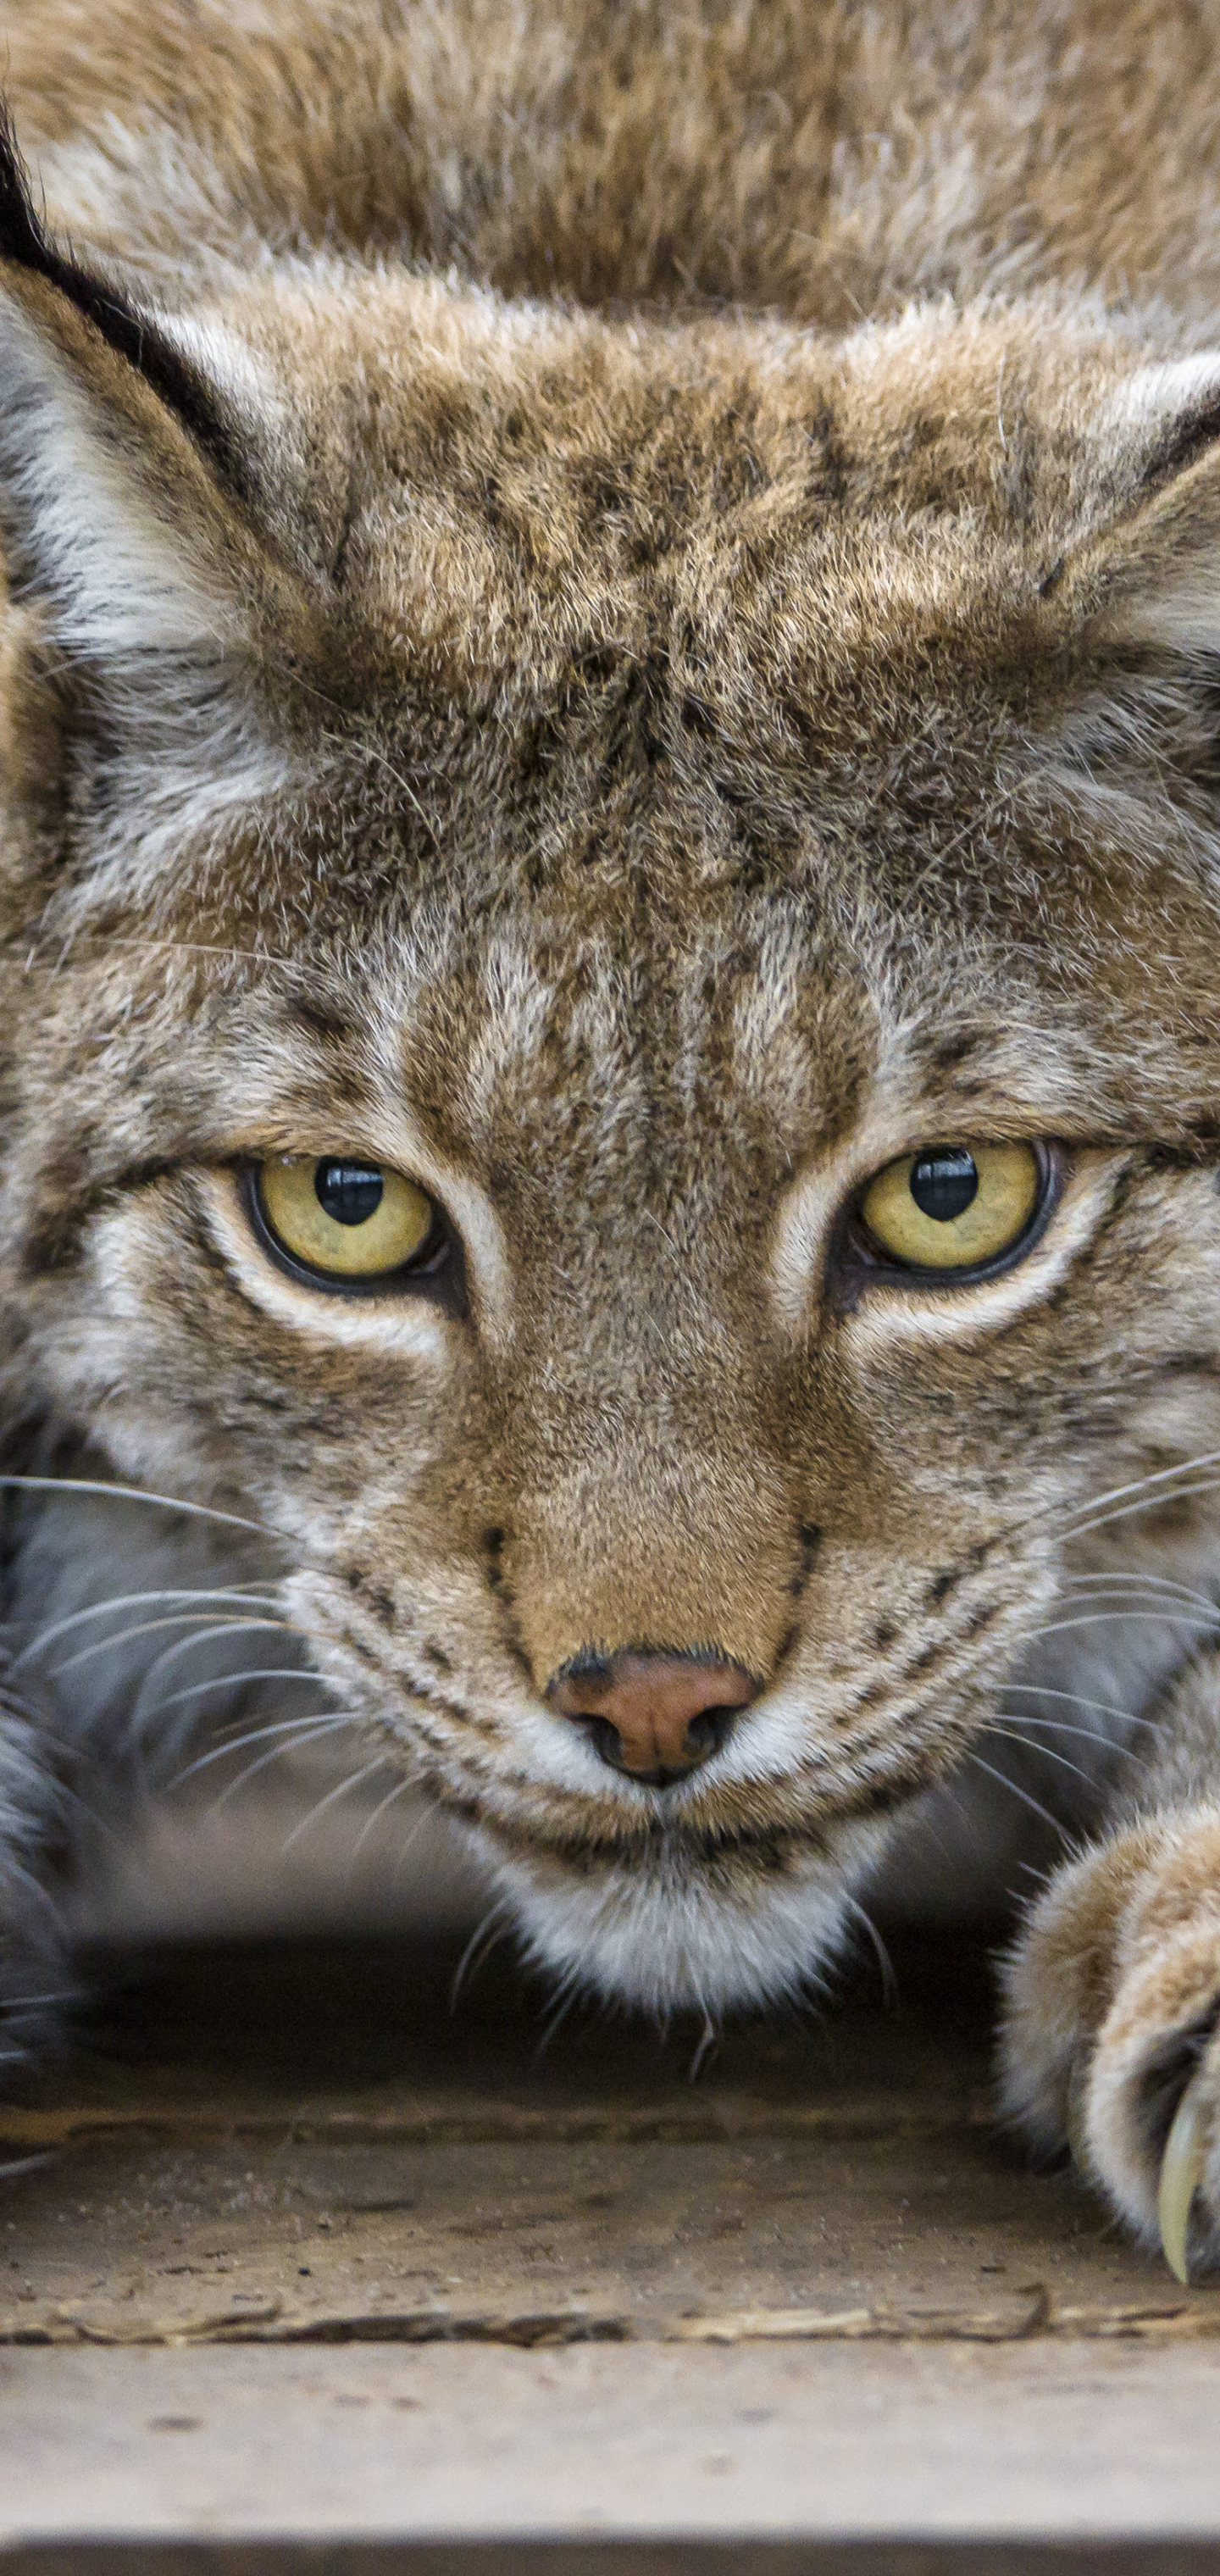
664, 1935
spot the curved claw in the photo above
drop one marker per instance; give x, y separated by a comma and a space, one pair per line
1181, 2174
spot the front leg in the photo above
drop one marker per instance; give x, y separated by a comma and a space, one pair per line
1111, 2032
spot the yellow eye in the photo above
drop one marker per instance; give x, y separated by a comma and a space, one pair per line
953, 1207
344, 1218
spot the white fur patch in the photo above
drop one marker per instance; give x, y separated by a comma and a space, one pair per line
130, 596
658, 1938
1156, 396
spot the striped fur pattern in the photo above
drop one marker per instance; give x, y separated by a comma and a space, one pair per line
619, 611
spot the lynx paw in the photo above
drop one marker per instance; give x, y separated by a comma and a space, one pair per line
1111, 2036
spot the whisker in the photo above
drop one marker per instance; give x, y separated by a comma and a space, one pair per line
1135, 1582
1180, 1494
316, 1723
1059, 1726
1075, 1518
889, 1982
1100, 1618
308, 1735
1105, 1707
1023, 1794
32, 2003
352, 1781
1045, 1752
147, 1703
411, 1837
243, 1594
208, 948
154, 1627
568, 1994
16, 1874
491, 1928
399, 1790
1155, 1476
233, 1681
138, 1494
707, 2041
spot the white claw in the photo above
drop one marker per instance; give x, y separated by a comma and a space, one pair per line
1181, 2174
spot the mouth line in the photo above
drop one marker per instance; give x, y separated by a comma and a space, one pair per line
591, 1832
773, 1843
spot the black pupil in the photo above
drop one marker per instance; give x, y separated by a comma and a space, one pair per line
943, 1183
349, 1192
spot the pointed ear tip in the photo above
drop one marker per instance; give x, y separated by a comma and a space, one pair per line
22, 236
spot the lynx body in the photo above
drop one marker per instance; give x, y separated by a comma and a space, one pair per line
610, 668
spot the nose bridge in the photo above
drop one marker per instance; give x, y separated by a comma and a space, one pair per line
647, 1499
635, 1549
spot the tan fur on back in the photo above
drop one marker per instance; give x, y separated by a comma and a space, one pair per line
829, 162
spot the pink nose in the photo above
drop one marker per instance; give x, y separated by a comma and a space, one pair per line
655, 1716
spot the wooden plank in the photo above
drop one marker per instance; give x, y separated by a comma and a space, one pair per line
303, 2138
313, 2261
851, 2444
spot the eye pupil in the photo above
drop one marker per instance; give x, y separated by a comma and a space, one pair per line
348, 1193
944, 1182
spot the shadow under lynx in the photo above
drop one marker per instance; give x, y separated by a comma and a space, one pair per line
624, 757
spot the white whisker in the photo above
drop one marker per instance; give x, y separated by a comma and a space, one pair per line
1104, 1707
1136, 1584
1023, 1794
1156, 1476
233, 1681
153, 1627
33, 2003
320, 1727
707, 2041
399, 1789
567, 1994
345, 1786
889, 1982
315, 1723
1179, 1494
1100, 1618
411, 1837
137, 1494
1045, 1752
491, 1928
241, 1594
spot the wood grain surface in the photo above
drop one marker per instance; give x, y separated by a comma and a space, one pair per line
308, 2249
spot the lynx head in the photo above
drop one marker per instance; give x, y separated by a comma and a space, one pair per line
609, 1023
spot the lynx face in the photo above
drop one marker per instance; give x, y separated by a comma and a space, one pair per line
609, 1023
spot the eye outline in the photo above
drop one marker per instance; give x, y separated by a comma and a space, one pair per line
859, 1261
436, 1272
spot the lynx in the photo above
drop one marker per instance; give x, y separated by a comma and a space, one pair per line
610, 900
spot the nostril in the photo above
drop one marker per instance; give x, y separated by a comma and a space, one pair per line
709, 1732
704, 1736
605, 1740
653, 1713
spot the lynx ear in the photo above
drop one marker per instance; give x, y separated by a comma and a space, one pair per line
1134, 605
1152, 573
122, 488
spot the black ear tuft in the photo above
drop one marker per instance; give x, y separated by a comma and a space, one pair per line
22, 238
130, 333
